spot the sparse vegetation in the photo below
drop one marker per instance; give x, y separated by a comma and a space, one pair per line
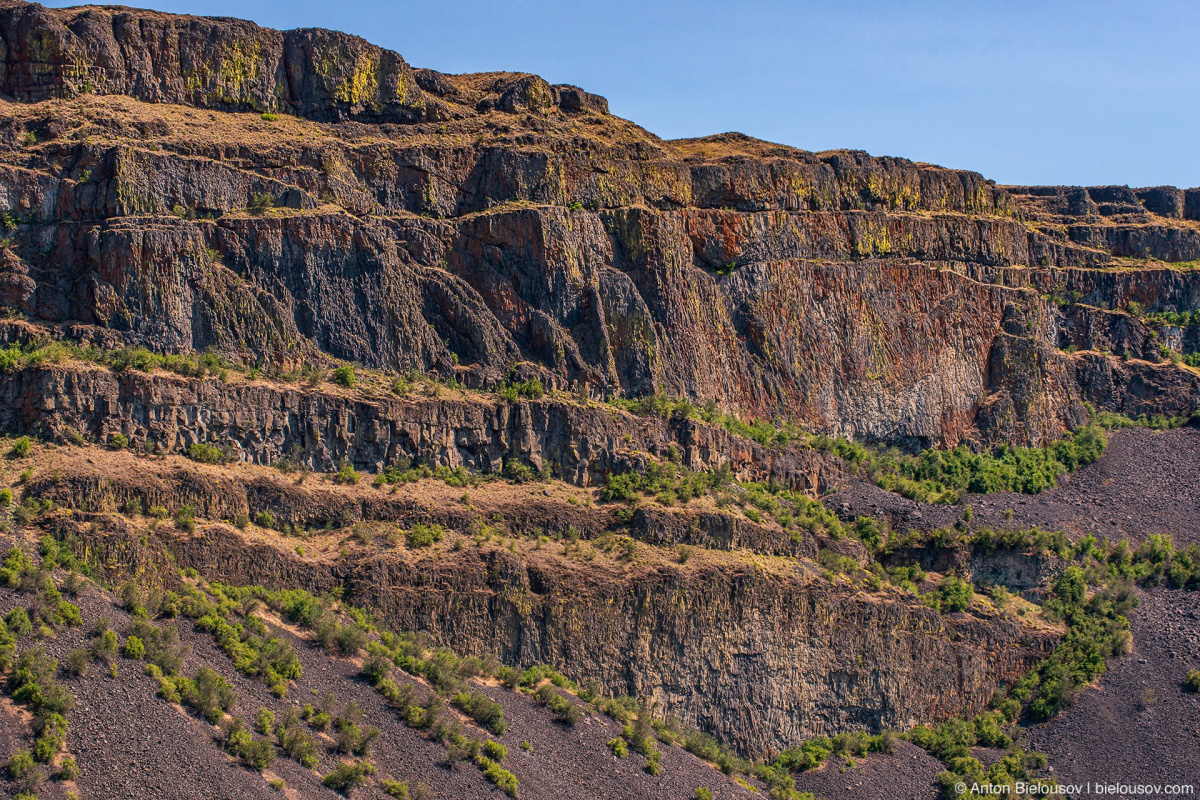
425, 535
482, 709
345, 778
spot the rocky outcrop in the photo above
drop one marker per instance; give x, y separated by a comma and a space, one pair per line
463, 224
262, 422
761, 658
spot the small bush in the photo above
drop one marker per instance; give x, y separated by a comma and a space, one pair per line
504, 780
264, 519
344, 376
260, 203
532, 389
482, 709
954, 594
52, 735
619, 748
298, 745
394, 788
564, 710
21, 448
347, 777
206, 453
118, 441
518, 472
185, 519
21, 765
425, 535
68, 770
1192, 682
347, 476
134, 648
18, 622
207, 694
77, 661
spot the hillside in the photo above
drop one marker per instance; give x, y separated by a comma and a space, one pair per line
329, 379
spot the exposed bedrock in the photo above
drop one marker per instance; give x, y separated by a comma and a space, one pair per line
188, 184
762, 658
263, 423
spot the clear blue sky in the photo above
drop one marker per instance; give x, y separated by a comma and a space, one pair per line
1024, 92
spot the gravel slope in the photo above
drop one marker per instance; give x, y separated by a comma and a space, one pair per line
1112, 732
131, 745
1145, 483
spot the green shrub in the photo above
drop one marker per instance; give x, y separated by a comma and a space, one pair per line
350, 639
185, 519
425, 535
1192, 682
21, 448
260, 203
264, 519
258, 753
134, 648
512, 391
21, 765
495, 751
6, 497
206, 453
297, 743
77, 661
18, 622
504, 780
619, 748
264, 722
347, 475
481, 708
394, 788
104, 646
208, 694
52, 735
702, 793
344, 376
954, 594
68, 770
518, 472
118, 441
347, 777
1072, 586
564, 710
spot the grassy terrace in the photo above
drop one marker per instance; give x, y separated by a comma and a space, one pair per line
936, 476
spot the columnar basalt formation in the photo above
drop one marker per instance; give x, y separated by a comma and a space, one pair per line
405, 219
304, 199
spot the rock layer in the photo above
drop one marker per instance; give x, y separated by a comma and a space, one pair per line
406, 219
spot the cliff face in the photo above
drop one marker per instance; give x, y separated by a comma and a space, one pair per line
263, 422
762, 651
296, 198
483, 220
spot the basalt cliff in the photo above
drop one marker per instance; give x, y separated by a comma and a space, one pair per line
204, 219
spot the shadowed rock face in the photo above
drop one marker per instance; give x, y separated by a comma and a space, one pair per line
466, 223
